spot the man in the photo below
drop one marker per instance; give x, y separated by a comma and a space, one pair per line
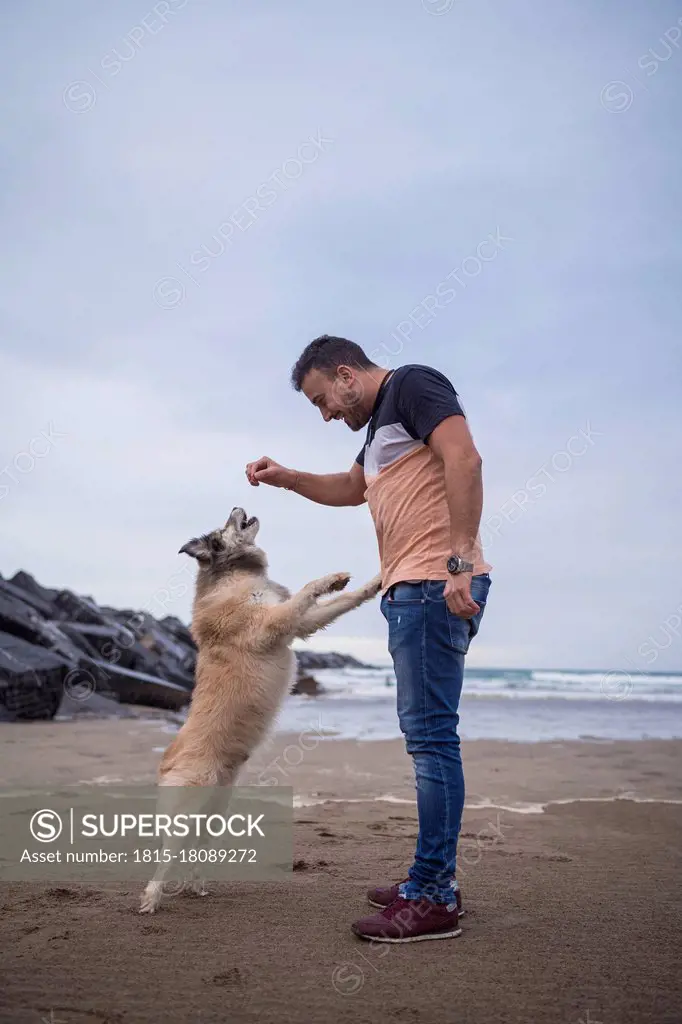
420, 473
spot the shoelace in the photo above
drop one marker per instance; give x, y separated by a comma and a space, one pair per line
408, 908
399, 904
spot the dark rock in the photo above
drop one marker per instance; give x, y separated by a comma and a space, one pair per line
167, 668
100, 639
308, 686
56, 640
79, 640
88, 678
31, 679
30, 585
162, 641
43, 608
18, 618
119, 646
82, 671
173, 659
178, 629
140, 688
95, 633
79, 609
321, 659
22, 621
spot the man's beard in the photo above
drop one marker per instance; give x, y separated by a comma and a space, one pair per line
356, 420
355, 416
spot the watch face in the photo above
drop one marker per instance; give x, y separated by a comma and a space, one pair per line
453, 564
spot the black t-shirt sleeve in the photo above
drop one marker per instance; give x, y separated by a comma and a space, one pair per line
426, 398
360, 457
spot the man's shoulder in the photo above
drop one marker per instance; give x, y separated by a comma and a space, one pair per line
405, 367
413, 374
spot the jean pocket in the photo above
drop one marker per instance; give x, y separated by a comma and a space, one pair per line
480, 587
405, 624
404, 593
463, 631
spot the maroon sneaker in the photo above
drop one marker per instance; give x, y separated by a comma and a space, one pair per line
410, 921
383, 895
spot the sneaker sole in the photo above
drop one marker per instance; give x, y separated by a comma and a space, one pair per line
382, 906
415, 938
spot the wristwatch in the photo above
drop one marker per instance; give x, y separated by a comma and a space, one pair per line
456, 565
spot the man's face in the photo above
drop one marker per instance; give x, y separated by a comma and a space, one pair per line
340, 397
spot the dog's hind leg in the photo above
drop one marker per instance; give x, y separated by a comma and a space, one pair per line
216, 802
153, 894
170, 852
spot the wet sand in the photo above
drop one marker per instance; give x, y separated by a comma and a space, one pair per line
569, 866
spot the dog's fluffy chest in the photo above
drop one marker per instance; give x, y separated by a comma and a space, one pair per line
268, 594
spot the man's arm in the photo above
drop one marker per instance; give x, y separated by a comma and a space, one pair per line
326, 489
452, 442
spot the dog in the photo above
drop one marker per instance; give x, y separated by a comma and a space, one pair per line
243, 624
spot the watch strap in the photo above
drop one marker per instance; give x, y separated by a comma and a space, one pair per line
464, 566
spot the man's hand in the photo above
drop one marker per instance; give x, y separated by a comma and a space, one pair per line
458, 597
267, 471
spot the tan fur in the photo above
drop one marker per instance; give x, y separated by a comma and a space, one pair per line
243, 624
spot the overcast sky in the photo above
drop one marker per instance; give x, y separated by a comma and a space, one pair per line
193, 189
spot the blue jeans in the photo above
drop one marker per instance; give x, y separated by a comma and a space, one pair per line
428, 644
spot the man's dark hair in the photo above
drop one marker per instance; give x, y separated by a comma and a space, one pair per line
326, 353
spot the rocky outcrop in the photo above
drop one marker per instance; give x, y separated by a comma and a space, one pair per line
307, 686
31, 679
58, 649
318, 659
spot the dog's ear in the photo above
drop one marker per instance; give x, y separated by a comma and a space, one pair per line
198, 548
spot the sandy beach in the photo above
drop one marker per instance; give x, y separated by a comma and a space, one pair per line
569, 866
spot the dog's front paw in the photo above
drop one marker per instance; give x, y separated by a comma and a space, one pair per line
336, 581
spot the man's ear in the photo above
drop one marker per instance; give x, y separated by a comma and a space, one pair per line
197, 548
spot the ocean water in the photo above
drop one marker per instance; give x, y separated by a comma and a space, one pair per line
514, 704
